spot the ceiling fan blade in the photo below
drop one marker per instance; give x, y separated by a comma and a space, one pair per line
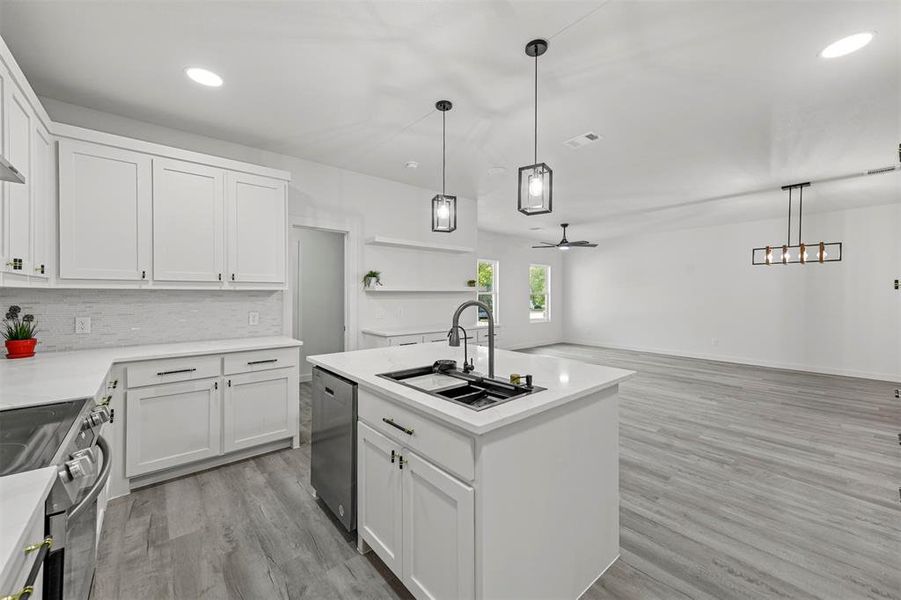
545, 246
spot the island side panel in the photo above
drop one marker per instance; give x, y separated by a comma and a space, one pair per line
547, 505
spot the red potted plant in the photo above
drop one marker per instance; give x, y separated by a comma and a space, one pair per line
19, 334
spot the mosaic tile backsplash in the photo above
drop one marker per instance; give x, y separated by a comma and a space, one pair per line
131, 317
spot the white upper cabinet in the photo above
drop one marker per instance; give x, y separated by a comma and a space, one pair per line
188, 221
42, 190
17, 204
256, 216
105, 212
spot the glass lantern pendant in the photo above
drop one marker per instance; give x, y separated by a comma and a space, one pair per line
444, 207
536, 181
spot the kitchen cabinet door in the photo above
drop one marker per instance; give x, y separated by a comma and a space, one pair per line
17, 206
42, 193
105, 212
257, 226
260, 407
188, 221
379, 495
171, 424
439, 532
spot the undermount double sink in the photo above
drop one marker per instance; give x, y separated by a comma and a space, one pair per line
467, 389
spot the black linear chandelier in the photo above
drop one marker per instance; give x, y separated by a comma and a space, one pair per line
536, 181
797, 254
444, 207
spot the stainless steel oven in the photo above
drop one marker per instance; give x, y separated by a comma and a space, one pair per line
64, 435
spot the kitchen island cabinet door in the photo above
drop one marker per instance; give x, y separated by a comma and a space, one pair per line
379, 496
439, 532
261, 407
171, 424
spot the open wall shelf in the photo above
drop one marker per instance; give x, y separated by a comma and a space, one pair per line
414, 245
390, 290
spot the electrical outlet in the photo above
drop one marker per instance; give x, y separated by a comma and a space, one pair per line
253, 318
82, 324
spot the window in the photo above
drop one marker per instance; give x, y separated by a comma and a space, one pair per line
539, 293
488, 288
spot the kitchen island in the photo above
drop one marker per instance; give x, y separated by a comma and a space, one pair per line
518, 500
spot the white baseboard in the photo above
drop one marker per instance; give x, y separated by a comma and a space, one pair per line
875, 375
599, 576
533, 344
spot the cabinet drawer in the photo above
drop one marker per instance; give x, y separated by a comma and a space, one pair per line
261, 360
172, 369
447, 447
405, 340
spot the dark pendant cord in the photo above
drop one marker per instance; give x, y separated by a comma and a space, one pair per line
443, 151
536, 108
789, 216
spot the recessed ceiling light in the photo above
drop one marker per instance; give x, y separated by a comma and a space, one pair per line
203, 76
497, 171
411, 164
847, 45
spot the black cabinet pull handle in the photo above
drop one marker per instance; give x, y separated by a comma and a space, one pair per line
220, 276
143, 274
233, 276
329, 391
396, 426
392, 457
176, 371
262, 362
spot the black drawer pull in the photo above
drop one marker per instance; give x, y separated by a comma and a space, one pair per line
176, 371
396, 426
262, 362
329, 391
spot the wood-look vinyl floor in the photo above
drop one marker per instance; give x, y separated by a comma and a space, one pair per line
736, 482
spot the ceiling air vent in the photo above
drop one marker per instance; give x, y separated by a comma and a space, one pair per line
583, 139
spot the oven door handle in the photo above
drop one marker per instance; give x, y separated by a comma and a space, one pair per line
98, 484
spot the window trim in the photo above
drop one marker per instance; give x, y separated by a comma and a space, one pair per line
496, 287
547, 293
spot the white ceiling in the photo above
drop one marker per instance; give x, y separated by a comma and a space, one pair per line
697, 102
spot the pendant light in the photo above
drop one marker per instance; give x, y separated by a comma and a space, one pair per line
536, 181
444, 207
800, 253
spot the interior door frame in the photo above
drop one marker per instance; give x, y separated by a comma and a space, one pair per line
351, 230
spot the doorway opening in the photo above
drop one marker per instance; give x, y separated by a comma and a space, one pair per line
318, 286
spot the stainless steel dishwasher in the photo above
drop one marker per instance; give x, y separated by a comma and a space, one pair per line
334, 445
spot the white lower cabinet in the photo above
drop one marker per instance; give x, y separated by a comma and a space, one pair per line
419, 519
380, 495
172, 424
260, 407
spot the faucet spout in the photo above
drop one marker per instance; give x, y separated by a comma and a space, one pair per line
454, 336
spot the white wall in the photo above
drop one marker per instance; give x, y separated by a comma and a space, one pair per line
695, 293
515, 255
368, 205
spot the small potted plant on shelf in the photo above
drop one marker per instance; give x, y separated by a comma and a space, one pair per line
372, 277
19, 334
471, 282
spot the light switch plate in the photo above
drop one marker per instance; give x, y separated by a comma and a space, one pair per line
82, 324
253, 318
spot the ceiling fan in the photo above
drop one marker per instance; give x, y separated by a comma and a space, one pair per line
565, 244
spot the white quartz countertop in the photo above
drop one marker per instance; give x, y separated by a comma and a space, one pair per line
21, 497
60, 376
565, 380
